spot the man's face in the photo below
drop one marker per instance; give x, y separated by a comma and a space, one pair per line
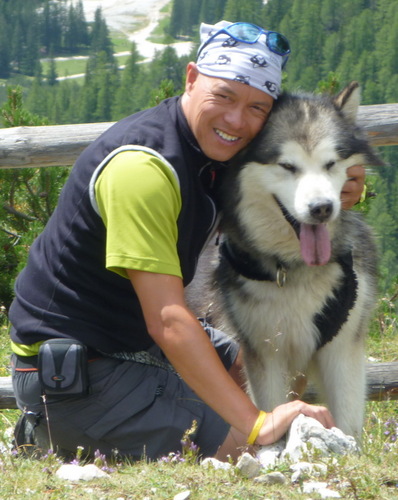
223, 115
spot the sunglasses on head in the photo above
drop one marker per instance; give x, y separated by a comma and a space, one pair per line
250, 33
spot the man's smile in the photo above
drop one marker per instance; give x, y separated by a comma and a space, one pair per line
225, 136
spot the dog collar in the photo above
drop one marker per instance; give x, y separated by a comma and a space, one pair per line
248, 267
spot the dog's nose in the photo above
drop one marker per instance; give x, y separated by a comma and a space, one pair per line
321, 210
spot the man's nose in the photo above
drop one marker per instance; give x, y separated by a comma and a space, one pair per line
235, 118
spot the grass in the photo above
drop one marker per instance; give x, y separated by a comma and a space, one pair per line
371, 475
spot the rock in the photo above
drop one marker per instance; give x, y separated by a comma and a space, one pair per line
305, 468
248, 465
184, 495
73, 472
271, 478
308, 430
321, 489
269, 455
213, 462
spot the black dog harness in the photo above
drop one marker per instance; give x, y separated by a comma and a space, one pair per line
336, 309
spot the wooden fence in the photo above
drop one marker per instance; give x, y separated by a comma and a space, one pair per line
59, 145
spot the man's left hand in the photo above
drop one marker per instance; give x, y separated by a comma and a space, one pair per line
353, 187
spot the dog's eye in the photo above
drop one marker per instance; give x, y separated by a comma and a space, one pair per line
329, 165
288, 166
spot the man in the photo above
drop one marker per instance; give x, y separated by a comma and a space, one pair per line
110, 268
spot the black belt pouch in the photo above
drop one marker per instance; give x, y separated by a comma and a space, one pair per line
62, 367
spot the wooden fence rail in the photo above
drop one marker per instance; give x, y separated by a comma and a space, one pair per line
59, 145
382, 381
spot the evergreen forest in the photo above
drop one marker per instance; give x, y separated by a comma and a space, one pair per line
333, 42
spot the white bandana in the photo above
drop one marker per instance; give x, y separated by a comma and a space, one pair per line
253, 64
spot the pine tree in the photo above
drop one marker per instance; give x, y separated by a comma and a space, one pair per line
27, 198
100, 39
52, 71
125, 100
249, 11
4, 49
212, 11
178, 18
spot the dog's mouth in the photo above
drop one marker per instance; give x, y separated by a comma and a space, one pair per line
315, 244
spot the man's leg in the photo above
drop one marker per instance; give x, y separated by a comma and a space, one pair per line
137, 409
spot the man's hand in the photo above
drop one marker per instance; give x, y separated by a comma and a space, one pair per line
352, 189
279, 420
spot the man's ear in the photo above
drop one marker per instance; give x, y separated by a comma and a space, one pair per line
192, 73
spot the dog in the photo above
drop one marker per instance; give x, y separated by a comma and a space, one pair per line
296, 280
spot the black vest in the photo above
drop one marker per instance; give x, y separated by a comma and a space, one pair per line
65, 289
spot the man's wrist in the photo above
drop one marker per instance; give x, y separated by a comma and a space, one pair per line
256, 428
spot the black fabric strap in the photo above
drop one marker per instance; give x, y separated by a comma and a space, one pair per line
244, 264
335, 312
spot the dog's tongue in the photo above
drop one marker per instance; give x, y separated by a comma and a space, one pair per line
315, 244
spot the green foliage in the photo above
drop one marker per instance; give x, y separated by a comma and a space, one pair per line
333, 42
30, 30
14, 115
165, 90
248, 11
27, 199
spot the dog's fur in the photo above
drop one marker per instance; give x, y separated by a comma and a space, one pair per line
299, 308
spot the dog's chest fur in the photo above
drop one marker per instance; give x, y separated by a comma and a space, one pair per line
266, 316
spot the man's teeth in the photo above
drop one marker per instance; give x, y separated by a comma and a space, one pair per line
225, 136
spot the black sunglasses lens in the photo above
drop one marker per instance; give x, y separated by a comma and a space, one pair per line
278, 43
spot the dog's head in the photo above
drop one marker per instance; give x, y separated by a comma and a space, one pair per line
301, 158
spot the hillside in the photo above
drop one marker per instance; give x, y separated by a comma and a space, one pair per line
328, 51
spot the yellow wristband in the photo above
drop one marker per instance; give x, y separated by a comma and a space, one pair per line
363, 195
256, 428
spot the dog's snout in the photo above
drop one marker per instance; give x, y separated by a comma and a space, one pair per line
321, 210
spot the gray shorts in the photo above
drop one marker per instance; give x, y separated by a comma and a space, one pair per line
133, 409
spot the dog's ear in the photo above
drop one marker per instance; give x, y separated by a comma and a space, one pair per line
348, 101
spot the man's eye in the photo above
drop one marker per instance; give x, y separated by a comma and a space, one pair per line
261, 110
289, 167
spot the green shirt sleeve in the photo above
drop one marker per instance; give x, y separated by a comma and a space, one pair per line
139, 200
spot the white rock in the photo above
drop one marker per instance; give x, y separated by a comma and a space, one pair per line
184, 495
248, 465
269, 455
213, 462
305, 468
308, 430
321, 489
73, 472
271, 478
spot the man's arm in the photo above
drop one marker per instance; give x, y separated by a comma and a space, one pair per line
181, 337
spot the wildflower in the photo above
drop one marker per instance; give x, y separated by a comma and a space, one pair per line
101, 463
172, 457
391, 433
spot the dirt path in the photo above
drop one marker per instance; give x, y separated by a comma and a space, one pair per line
121, 15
